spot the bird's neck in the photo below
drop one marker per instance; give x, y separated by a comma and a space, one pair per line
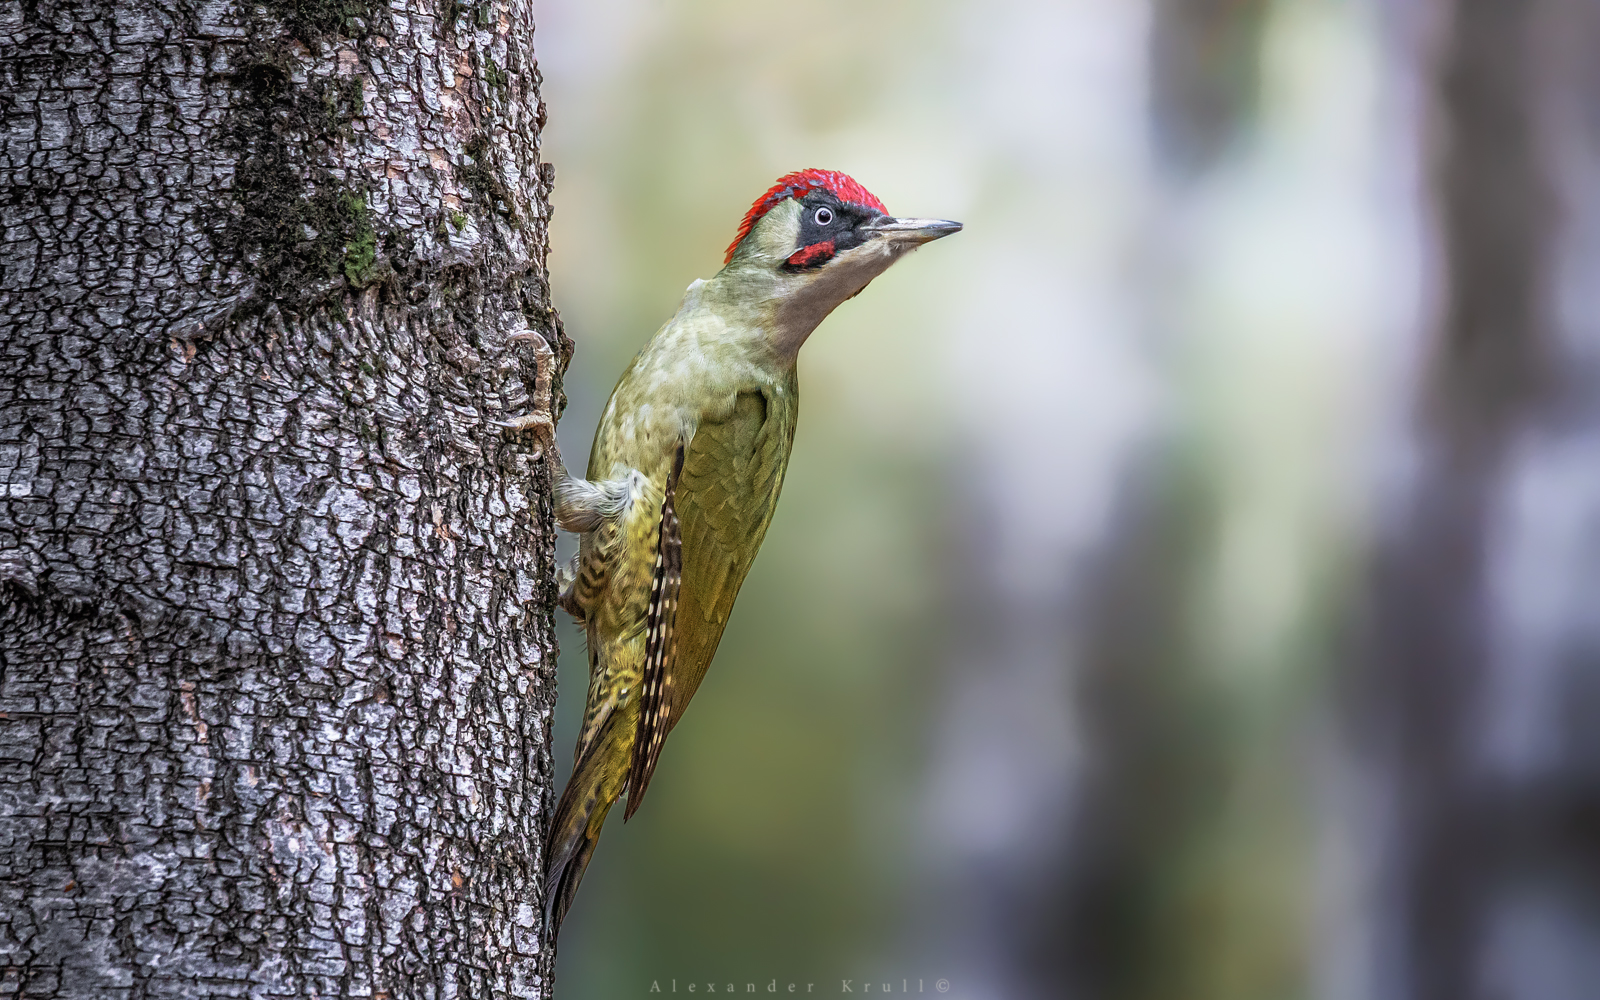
786, 308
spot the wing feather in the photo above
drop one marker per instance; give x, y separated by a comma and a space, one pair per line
732, 474
655, 687
719, 501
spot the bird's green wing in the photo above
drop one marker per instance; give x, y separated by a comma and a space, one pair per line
723, 499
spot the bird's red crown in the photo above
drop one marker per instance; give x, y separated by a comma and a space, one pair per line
798, 185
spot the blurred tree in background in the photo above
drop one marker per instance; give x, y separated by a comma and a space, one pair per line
1478, 702
1184, 582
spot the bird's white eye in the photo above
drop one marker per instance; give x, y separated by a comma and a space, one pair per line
824, 216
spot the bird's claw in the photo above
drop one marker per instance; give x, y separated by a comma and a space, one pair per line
539, 422
535, 422
539, 425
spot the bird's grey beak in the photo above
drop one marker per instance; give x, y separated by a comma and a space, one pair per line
912, 231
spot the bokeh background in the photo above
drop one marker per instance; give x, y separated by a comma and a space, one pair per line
1187, 582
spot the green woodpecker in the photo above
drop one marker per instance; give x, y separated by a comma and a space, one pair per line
683, 479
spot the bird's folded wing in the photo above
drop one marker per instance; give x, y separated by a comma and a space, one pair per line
655, 686
722, 501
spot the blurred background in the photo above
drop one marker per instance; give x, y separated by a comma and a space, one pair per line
1187, 581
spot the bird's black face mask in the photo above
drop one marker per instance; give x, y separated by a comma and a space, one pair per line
828, 227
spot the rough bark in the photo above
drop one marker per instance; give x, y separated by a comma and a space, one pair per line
276, 647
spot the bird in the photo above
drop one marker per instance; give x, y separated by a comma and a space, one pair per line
683, 479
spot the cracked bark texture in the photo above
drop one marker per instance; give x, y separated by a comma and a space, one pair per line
277, 662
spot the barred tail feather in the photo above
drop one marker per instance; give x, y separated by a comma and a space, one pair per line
596, 782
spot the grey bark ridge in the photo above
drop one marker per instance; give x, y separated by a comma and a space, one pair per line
277, 657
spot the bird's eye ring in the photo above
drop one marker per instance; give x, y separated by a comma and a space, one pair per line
823, 216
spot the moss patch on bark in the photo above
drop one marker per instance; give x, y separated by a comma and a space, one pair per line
294, 224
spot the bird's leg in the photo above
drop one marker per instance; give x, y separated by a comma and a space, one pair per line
541, 422
598, 511
582, 505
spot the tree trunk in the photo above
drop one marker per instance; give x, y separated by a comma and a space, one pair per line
276, 646
1478, 700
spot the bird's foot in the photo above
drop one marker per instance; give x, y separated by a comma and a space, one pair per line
539, 423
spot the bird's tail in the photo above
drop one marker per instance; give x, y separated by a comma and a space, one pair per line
596, 782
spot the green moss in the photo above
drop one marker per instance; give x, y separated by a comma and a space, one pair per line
331, 104
494, 76
292, 222
458, 220
312, 21
361, 264
293, 239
